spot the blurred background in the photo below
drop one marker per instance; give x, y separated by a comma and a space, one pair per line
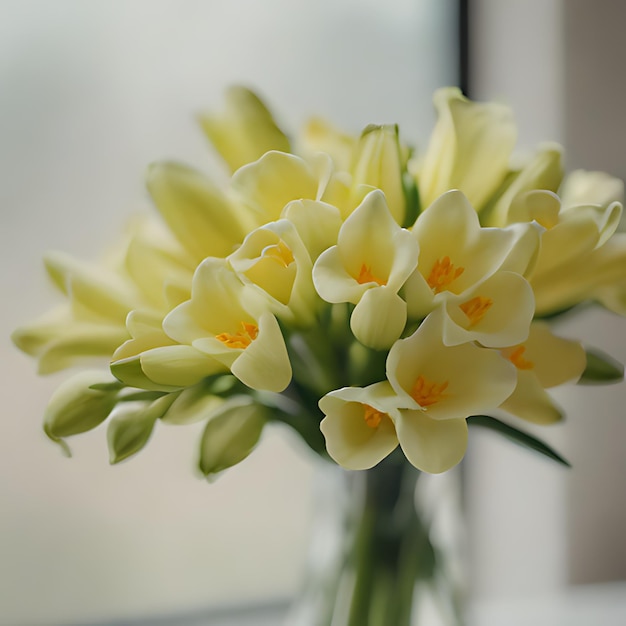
90, 93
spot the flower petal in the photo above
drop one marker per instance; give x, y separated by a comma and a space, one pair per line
202, 218
432, 446
245, 130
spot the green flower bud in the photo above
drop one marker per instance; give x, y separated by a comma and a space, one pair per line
77, 406
130, 428
230, 434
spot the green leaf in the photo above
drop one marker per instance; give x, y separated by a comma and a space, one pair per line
601, 369
230, 434
517, 436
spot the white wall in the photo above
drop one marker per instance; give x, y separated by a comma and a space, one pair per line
90, 93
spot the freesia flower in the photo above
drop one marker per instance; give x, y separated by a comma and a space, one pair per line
379, 163
370, 263
274, 180
149, 272
274, 259
543, 171
199, 214
495, 313
245, 130
358, 426
224, 322
544, 360
574, 260
456, 253
440, 386
469, 149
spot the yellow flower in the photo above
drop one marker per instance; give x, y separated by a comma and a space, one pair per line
318, 135
543, 171
152, 360
469, 149
585, 187
456, 253
378, 163
495, 313
274, 259
358, 426
370, 263
438, 387
225, 322
542, 361
579, 253
200, 215
270, 183
151, 273
245, 130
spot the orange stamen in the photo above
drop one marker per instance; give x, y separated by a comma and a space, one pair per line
366, 276
241, 339
426, 393
280, 252
516, 356
442, 274
476, 308
372, 416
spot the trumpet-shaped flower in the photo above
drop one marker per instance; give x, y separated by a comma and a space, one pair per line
152, 360
544, 360
574, 260
456, 253
245, 130
469, 149
274, 180
370, 263
544, 171
447, 382
149, 272
274, 259
495, 313
204, 220
358, 427
438, 387
225, 322
379, 164
317, 223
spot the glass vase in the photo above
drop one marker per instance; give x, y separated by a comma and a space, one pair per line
385, 549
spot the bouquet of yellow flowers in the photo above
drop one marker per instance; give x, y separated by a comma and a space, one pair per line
369, 296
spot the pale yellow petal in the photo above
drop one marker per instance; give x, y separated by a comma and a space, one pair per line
202, 218
469, 148
273, 181
245, 130
264, 364
378, 162
379, 318
432, 446
531, 402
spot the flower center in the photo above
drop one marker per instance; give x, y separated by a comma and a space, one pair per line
242, 339
442, 274
366, 276
476, 308
426, 393
516, 356
372, 416
280, 252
